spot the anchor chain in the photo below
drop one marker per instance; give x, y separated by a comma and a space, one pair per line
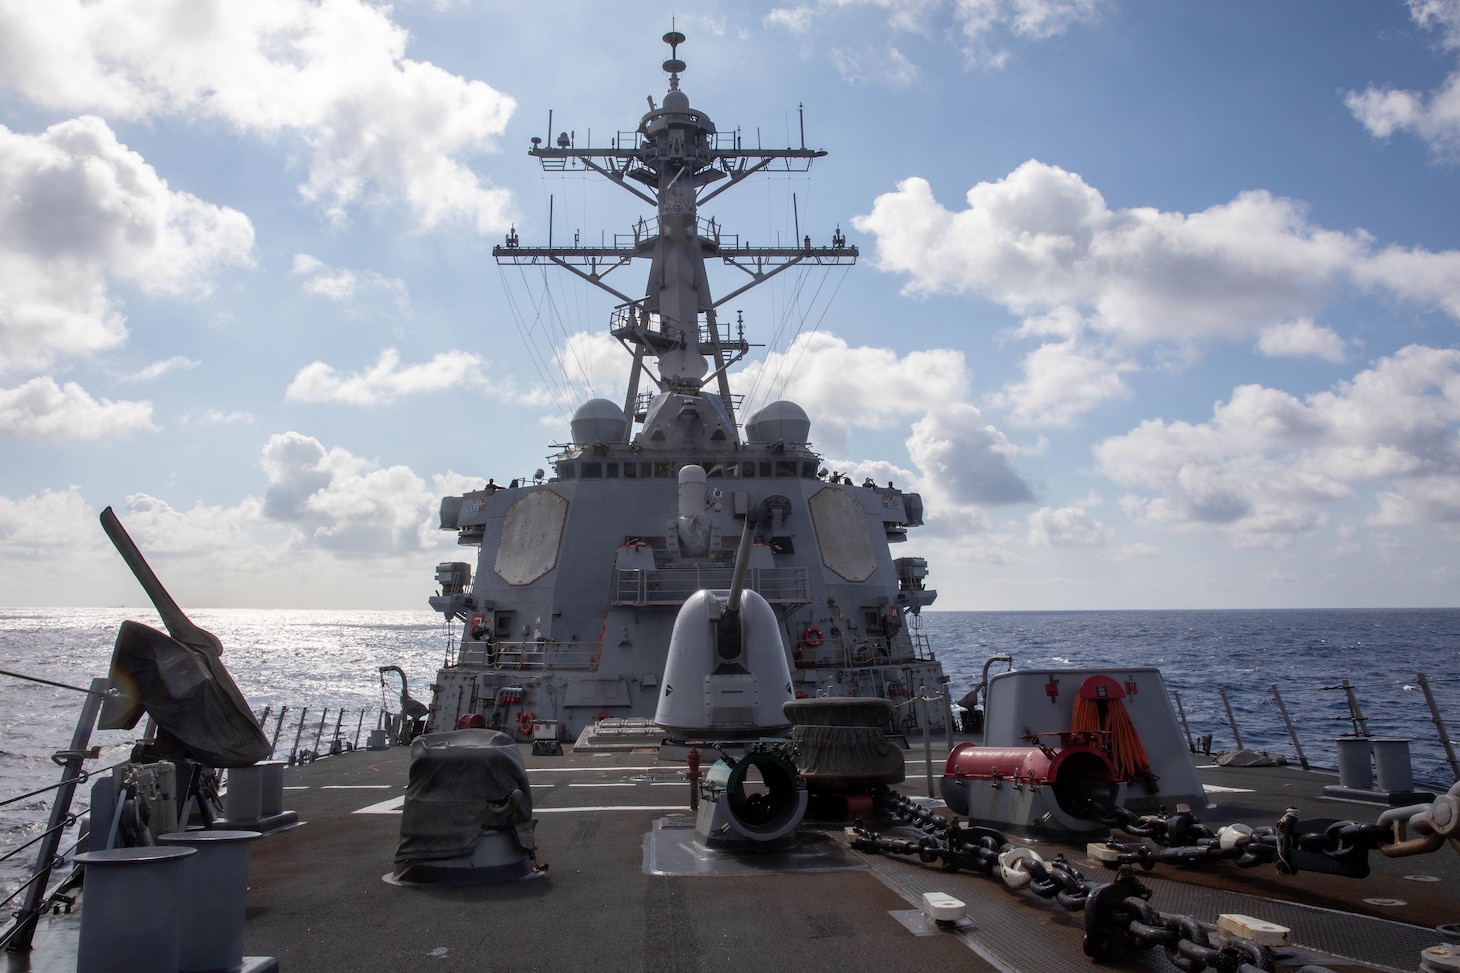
1118, 915
1335, 847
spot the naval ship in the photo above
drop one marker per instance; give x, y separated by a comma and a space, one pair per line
663, 519
581, 569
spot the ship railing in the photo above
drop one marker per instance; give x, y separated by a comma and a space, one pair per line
673, 586
1404, 711
647, 228
538, 654
308, 732
627, 319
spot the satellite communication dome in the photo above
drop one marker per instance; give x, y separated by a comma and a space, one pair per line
598, 421
781, 421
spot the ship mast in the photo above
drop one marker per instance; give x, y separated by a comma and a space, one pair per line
675, 161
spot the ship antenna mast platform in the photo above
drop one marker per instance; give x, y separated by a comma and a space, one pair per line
675, 161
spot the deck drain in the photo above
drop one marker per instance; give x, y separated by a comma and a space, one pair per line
1394, 902
1422, 878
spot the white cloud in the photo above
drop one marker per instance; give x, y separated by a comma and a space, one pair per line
177, 363
1062, 381
1268, 464
376, 124
42, 409
386, 380
44, 526
843, 387
1434, 117
341, 502
964, 460
888, 67
217, 417
79, 211
359, 292
1299, 339
978, 28
1066, 527
1044, 244
1041, 239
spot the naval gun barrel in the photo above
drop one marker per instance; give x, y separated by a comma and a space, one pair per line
742, 561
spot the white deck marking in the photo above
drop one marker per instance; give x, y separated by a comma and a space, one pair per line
608, 807
391, 806
355, 787
1219, 789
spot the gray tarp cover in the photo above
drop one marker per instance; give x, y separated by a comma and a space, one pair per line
188, 693
829, 754
461, 782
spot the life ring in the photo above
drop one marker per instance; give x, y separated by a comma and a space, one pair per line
524, 722
811, 637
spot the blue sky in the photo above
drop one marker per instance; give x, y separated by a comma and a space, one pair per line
1157, 303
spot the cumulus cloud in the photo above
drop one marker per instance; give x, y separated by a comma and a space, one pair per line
1066, 527
386, 380
1433, 116
80, 211
1300, 339
1044, 244
966, 460
1062, 381
843, 387
359, 292
342, 503
375, 124
42, 409
1267, 464
44, 525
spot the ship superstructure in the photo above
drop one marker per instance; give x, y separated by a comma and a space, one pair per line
582, 570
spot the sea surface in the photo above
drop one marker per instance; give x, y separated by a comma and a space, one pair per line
328, 661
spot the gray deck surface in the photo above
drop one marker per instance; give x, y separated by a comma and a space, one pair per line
318, 901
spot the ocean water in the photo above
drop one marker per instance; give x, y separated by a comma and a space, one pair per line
329, 660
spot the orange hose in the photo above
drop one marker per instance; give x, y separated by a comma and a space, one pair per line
1123, 743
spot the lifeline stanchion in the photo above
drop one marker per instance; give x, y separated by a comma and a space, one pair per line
294, 754
1231, 720
1293, 733
274, 743
1445, 742
320, 734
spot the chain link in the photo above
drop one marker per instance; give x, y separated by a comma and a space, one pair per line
1119, 918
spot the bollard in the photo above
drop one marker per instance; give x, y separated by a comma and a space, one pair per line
245, 796
1391, 763
131, 922
1354, 768
215, 890
271, 791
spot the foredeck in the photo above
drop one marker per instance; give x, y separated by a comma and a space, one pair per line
318, 899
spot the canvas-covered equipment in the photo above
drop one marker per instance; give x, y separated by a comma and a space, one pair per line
188, 693
463, 782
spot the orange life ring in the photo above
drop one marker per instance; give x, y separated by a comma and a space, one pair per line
524, 722
811, 637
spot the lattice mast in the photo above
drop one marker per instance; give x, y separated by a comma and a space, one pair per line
675, 161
